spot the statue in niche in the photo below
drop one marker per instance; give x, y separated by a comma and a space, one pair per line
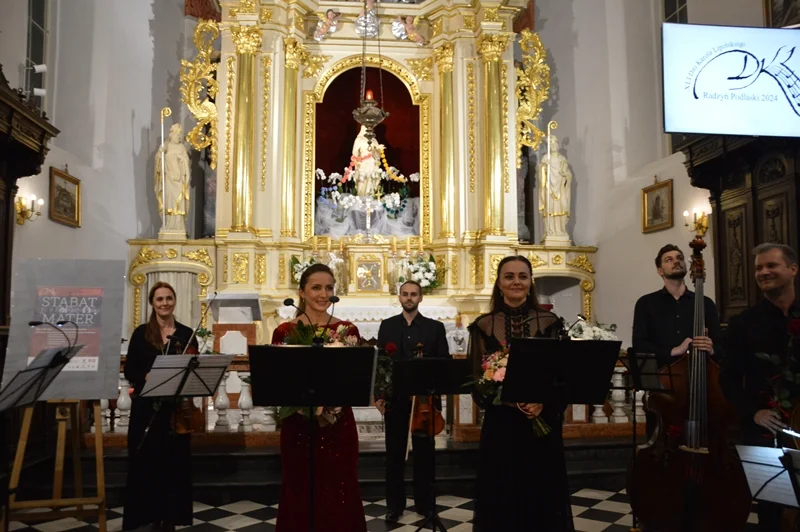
406, 28
555, 180
366, 164
328, 23
175, 194
367, 22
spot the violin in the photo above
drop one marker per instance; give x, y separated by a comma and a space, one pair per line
687, 477
187, 417
422, 409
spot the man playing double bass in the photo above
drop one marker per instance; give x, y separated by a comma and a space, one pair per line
401, 336
766, 327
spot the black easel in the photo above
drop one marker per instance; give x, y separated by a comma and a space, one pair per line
23, 390
426, 377
341, 376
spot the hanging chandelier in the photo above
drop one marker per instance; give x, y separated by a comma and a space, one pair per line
369, 114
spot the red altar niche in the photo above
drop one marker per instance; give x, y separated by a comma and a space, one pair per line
336, 129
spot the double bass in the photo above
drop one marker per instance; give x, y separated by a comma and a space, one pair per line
687, 477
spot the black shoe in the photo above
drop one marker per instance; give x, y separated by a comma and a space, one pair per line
392, 517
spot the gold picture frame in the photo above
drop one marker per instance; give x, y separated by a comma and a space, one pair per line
781, 13
657, 207
65, 198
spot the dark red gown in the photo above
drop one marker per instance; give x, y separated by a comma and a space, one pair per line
338, 506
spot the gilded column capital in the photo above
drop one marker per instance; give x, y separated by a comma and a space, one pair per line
247, 39
491, 47
245, 7
295, 53
444, 55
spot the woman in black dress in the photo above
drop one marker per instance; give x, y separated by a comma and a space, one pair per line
159, 487
522, 477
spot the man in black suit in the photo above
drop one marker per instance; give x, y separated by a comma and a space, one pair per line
408, 331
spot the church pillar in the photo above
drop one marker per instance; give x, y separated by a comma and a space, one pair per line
491, 48
248, 42
444, 60
294, 55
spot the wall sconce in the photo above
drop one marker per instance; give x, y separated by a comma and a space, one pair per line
699, 223
28, 208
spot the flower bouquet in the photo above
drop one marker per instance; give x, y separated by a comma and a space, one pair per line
383, 373
785, 384
423, 271
304, 334
490, 386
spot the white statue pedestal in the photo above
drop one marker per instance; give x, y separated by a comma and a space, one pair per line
172, 234
551, 240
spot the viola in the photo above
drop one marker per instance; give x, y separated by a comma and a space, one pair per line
687, 477
423, 408
187, 417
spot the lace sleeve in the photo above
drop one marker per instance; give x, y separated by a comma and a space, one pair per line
477, 350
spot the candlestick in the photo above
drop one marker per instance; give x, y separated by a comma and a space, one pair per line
408, 245
315, 243
394, 245
420, 245
341, 246
328, 245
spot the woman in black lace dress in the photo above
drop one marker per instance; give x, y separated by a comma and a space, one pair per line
522, 477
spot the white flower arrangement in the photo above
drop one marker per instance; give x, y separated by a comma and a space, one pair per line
586, 331
422, 271
299, 267
334, 261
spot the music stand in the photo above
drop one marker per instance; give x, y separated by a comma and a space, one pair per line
342, 376
772, 474
186, 376
24, 389
425, 377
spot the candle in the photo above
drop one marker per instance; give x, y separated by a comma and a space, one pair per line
341, 246
408, 245
369, 95
315, 243
394, 244
328, 245
420, 244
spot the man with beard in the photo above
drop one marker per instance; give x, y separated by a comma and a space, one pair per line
663, 321
401, 336
766, 327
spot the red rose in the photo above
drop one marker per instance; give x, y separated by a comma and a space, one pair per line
794, 328
390, 348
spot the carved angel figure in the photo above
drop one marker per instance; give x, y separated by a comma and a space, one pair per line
328, 23
175, 179
406, 28
367, 22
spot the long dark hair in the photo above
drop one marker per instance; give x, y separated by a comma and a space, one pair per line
308, 272
496, 303
153, 332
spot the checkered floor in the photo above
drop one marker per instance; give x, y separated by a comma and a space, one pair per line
592, 510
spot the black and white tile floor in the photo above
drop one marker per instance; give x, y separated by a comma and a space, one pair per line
592, 510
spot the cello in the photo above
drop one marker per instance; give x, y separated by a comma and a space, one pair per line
687, 477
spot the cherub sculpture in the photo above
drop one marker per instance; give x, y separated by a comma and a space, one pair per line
328, 23
406, 28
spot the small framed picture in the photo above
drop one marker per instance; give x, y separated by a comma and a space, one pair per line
657, 207
65, 198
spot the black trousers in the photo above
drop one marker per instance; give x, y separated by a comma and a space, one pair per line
396, 422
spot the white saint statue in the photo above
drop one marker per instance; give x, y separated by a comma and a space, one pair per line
175, 180
555, 180
366, 161
367, 22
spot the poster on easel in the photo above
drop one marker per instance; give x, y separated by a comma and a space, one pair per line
86, 297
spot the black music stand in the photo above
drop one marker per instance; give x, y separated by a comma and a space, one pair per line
342, 376
425, 377
772, 474
24, 389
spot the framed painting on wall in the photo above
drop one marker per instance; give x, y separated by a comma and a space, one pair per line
65, 198
657, 207
781, 13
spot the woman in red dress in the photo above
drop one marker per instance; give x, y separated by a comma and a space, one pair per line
337, 506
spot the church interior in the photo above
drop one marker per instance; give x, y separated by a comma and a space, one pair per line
223, 146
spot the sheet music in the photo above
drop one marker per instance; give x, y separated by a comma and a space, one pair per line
760, 465
167, 374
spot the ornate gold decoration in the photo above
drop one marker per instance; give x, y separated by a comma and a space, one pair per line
231, 75
261, 268
368, 272
241, 273
195, 77
444, 55
264, 15
536, 260
473, 270
295, 53
199, 255
490, 14
171, 253
314, 65
247, 39
441, 266
299, 22
266, 74
471, 124
145, 255
137, 280
533, 89
588, 288
504, 89
469, 22
582, 263
494, 262
225, 268
281, 268
454, 270
309, 102
422, 68
492, 46
204, 280
245, 6
558, 259
436, 27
